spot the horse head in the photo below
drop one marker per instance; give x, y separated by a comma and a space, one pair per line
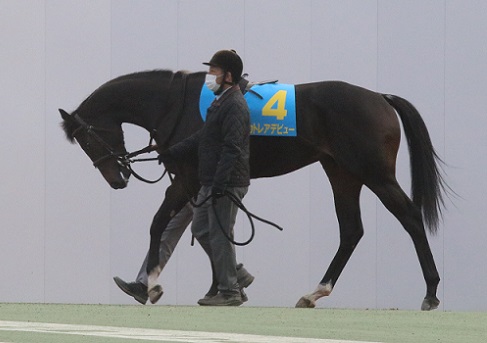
103, 143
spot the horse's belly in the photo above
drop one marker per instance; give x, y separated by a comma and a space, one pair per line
273, 156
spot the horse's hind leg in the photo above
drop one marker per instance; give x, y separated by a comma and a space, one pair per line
346, 190
409, 215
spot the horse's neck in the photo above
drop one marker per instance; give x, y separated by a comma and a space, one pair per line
151, 104
139, 119
182, 116
169, 107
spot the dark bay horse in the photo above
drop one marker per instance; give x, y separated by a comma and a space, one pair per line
354, 133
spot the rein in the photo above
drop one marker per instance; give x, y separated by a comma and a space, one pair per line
238, 203
127, 162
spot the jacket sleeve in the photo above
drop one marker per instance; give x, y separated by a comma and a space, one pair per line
187, 147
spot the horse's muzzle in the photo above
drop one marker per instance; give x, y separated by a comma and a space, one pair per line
123, 181
118, 178
119, 184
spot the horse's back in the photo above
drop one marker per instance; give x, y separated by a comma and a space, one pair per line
353, 125
340, 101
341, 108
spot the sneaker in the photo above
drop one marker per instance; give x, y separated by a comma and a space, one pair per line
205, 298
135, 289
244, 296
244, 278
222, 299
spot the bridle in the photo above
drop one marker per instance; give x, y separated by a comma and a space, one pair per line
92, 132
124, 159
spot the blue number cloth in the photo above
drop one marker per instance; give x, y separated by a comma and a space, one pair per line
272, 109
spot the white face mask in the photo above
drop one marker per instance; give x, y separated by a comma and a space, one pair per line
211, 83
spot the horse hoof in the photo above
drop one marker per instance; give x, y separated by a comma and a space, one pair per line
430, 303
305, 303
155, 293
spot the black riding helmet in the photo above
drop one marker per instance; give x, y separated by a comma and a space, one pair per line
229, 61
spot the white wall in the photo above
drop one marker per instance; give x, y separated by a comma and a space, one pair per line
64, 233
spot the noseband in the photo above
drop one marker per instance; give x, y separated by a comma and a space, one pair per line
123, 159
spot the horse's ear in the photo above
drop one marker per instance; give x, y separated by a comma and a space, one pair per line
65, 115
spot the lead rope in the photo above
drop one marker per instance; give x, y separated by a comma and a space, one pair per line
240, 205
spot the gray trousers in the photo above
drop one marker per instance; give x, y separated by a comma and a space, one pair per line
169, 239
208, 222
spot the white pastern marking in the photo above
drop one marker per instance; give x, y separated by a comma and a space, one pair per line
323, 290
156, 335
320, 292
153, 277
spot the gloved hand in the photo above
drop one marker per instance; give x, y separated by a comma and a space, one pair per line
168, 159
216, 192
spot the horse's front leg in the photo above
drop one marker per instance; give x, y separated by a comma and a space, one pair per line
172, 204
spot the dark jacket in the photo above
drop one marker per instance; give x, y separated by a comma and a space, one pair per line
222, 143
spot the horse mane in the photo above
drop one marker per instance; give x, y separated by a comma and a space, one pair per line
69, 126
147, 74
150, 75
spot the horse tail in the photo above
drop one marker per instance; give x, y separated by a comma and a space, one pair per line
427, 183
